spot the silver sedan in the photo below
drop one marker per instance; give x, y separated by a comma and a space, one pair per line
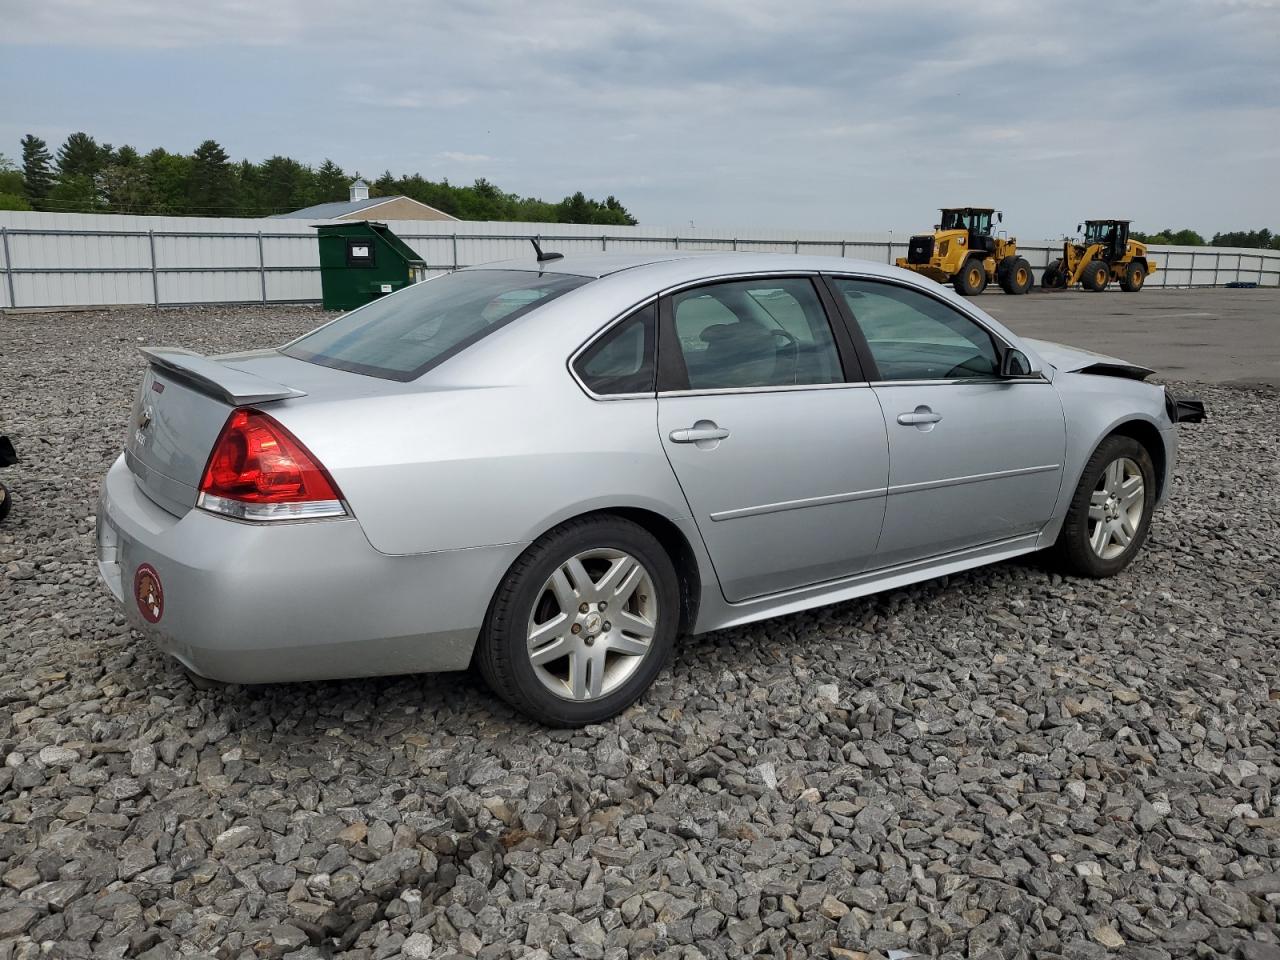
554, 468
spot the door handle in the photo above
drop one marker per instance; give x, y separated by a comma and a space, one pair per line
699, 431
922, 417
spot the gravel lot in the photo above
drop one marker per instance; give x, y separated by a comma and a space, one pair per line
1003, 763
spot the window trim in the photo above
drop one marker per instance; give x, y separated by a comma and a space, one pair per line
1002, 344
605, 331
612, 328
673, 375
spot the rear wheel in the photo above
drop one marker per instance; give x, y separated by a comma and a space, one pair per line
1016, 277
582, 624
1110, 512
1052, 278
1096, 276
1135, 275
6, 501
972, 278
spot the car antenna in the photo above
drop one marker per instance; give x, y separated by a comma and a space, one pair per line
544, 257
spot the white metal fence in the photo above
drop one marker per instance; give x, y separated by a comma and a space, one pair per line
56, 260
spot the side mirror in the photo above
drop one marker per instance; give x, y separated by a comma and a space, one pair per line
1016, 365
1079, 227
1000, 215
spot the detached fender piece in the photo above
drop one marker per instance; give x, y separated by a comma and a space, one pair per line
1184, 409
1130, 371
1074, 360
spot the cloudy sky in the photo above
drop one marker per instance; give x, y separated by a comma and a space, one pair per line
752, 113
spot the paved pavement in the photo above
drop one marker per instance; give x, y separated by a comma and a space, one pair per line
1209, 335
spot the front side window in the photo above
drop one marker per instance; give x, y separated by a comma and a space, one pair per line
966, 220
402, 336
771, 332
913, 336
622, 361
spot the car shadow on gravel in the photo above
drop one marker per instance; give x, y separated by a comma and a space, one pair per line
462, 696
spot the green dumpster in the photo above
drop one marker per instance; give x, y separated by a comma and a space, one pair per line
361, 261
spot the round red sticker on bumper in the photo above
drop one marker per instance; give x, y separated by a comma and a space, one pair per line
148, 593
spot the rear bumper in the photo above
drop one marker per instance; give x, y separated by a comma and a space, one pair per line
309, 600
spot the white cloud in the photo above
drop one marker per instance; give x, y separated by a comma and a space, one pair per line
453, 156
807, 113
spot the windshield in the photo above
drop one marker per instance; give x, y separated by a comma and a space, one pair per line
967, 220
402, 336
1096, 232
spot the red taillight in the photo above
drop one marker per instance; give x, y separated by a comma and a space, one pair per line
260, 471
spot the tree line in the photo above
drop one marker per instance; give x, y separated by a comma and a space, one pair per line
1263, 239
85, 176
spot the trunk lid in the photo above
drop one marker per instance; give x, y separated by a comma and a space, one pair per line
181, 407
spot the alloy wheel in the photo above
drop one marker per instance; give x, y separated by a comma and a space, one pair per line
592, 624
1115, 508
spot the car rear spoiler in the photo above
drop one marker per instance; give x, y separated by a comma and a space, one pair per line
216, 379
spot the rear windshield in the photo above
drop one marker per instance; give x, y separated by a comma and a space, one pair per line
403, 336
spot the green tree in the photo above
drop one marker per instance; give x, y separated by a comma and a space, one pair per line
81, 156
284, 185
167, 176
247, 181
1262, 239
124, 184
331, 183
1185, 237
77, 193
11, 197
37, 170
93, 176
210, 184
10, 179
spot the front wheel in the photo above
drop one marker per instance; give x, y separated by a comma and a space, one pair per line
1053, 277
1096, 276
583, 622
1134, 277
1110, 512
6, 501
972, 278
1017, 276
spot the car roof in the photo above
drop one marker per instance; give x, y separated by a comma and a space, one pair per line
679, 265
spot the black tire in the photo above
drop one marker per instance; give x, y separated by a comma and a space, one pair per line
1052, 278
502, 651
1096, 276
6, 501
1074, 550
1135, 275
1016, 276
972, 278
1002, 272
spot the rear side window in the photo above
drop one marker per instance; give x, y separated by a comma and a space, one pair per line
403, 336
622, 361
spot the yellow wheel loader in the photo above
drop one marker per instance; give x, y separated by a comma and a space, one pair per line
963, 251
1105, 254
